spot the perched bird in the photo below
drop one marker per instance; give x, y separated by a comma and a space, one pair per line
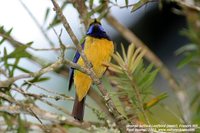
98, 49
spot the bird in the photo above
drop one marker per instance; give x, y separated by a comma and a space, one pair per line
98, 48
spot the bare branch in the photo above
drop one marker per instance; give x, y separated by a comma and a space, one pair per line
19, 108
37, 23
45, 115
51, 49
11, 80
58, 97
186, 4
40, 96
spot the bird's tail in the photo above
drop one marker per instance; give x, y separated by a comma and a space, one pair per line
78, 109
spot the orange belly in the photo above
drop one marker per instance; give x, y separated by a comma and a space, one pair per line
98, 52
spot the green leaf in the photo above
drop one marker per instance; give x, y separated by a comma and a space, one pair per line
154, 101
132, 77
124, 53
46, 14
186, 48
148, 80
19, 68
91, 2
64, 4
14, 66
143, 79
130, 52
186, 60
137, 61
126, 2
7, 34
1, 29
8, 119
2, 40
5, 59
195, 99
139, 4
115, 68
5, 52
118, 59
20, 52
21, 127
198, 107
103, 14
95, 10
56, 21
36, 80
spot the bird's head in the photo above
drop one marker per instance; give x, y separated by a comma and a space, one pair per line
96, 30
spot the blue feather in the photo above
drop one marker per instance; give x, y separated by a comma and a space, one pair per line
71, 71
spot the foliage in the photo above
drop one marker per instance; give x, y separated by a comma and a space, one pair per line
133, 79
191, 53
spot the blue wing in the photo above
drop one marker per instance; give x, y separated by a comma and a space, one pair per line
71, 71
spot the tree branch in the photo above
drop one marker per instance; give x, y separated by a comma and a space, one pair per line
190, 5
120, 120
49, 68
11, 80
23, 107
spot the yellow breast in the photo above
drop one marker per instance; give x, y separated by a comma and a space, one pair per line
98, 52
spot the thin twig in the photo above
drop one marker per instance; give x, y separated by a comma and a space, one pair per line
37, 23
40, 96
58, 97
17, 44
138, 97
100, 102
45, 115
50, 49
188, 5
49, 68
56, 107
17, 107
31, 111
125, 102
11, 80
